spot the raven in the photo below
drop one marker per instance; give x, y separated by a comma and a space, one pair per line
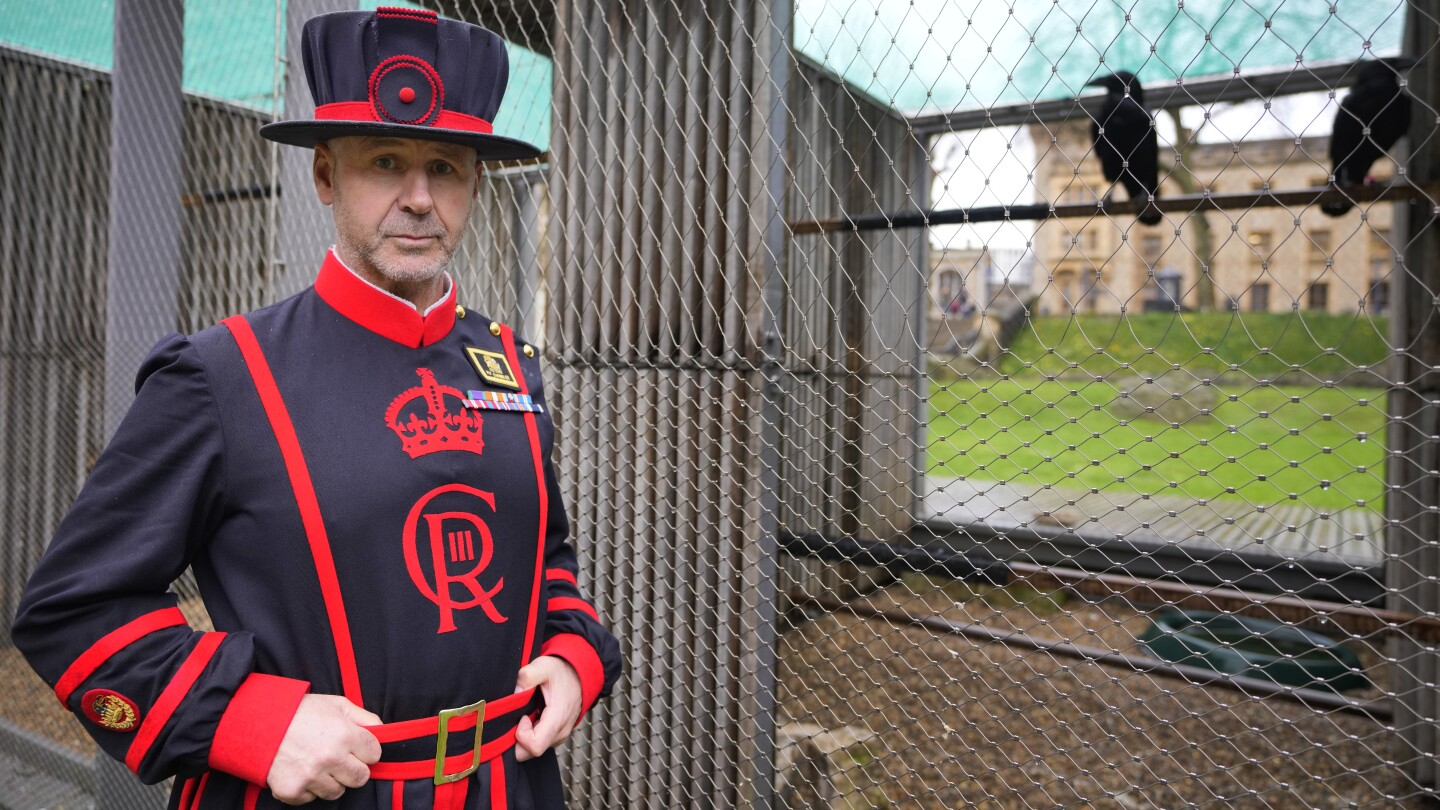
1126, 143
1376, 103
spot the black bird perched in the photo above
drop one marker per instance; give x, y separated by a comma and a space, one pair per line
1377, 103
1126, 143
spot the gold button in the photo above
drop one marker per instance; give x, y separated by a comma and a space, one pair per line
495, 329
529, 350
459, 311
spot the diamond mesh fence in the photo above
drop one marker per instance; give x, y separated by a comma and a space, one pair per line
958, 403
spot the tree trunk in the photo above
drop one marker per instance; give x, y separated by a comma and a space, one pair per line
1204, 250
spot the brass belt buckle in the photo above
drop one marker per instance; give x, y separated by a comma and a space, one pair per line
446, 715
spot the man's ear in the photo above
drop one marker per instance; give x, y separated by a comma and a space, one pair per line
479, 173
323, 170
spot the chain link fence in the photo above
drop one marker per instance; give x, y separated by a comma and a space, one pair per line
924, 447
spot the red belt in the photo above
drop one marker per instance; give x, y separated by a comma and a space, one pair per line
442, 768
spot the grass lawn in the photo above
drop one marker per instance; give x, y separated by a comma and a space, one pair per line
1324, 447
1326, 345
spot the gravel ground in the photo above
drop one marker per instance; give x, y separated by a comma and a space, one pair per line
28, 703
967, 724
964, 724
31, 705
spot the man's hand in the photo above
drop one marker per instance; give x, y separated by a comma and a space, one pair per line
560, 685
324, 751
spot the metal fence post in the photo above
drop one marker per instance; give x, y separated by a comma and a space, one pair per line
146, 124
305, 229
1414, 485
145, 178
774, 240
525, 274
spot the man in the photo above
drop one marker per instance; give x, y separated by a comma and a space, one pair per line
359, 477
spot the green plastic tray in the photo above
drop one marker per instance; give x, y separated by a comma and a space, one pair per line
1257, 648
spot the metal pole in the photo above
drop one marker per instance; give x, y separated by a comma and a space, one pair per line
142, 290
1412, 502
305, 229
146, 125
919, 331
1317, 699
774, 241
525, 275
1117, 209
1282, 81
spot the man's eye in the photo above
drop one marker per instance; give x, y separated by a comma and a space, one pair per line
444, 168
384, 163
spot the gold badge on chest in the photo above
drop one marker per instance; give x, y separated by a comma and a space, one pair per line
493, 367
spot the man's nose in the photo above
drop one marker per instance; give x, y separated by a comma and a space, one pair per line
415, 196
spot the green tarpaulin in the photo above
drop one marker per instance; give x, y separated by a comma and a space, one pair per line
230, 52
928, 56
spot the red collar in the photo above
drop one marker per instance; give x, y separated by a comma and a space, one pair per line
380, 312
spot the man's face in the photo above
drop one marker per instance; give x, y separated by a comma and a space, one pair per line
400, 204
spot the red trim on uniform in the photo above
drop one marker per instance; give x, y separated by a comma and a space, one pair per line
451, 795
425, 768
412, 13
397, 795
498, 793
305, 499
507, 339
170, 698
554, 574
185, 791
253, 725
387, 316
577, 652
364, 112
252, 795
430, 726
560, 603
111, 643
199, 792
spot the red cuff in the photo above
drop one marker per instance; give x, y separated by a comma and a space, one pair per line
253, 725
577, 652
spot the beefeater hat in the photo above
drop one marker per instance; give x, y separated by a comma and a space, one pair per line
406, 73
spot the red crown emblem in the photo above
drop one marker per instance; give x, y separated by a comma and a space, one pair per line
432, 428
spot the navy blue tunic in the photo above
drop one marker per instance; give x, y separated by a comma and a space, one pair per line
436, 530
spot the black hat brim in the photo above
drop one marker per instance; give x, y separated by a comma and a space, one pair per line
310, 133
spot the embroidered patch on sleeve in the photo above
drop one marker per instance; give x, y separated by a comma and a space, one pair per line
493, 367
111, 710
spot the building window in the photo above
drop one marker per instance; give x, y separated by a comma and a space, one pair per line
950, 293
1260, 244
1380, 296
1167, 291
1318, 296
1150, 247
1065, 281
1319, 248
1091, 294
1260, 297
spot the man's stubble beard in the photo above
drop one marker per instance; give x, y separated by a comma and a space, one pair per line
369, 253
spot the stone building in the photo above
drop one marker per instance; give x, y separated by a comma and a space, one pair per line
1265, 259
970, 284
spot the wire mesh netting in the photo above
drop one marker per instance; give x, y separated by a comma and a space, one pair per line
958, 403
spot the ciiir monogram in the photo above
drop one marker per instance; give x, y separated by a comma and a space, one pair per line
448, 546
